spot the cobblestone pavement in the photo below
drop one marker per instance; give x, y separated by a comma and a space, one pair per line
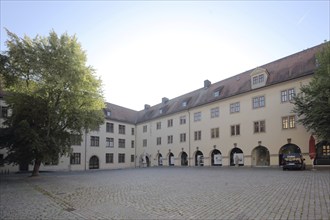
168, 193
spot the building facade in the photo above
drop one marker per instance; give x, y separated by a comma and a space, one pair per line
245, 120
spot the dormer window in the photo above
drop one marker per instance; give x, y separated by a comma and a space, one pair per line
184, 104
258, 78
108, 113
216, 93
160, 111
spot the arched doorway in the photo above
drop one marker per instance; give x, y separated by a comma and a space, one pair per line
160, 159
147, 161
216, 158
170, 159
239, 153
199, 158
287, 149
184, 159
94, 163
322, 153
260, 156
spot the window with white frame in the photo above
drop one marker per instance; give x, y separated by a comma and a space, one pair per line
215, 133
121, 129
183, 137
158, 125
109, 127
289, 122
197, 116
75, 158
182, 120
235, 130
234, 107
259, 126
95, 141
197, 135
170, 139
215, 112
170, 123
258, 102
109, 142
159, 140
287, 95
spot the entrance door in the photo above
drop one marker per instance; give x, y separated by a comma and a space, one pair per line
170, 159
160, 160
147, 161
199, 158
184, 159
94, 163
260, 156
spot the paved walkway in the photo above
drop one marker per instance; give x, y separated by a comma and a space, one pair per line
168, 193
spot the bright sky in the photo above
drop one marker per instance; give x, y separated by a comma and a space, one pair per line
146, 50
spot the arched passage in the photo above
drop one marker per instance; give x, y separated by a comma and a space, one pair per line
170, 159
94, 163
236, 152
147, 161
287, 149
260, 156
199, 158
184, 159
160, 159
216, 158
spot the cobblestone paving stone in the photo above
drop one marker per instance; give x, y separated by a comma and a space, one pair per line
168, 193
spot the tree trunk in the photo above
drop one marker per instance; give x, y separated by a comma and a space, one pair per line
36, 167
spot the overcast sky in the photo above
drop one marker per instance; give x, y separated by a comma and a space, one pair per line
146, 50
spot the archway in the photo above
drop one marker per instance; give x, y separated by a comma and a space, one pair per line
216, 158
160, 159
260, 156
94, 163
199, 158
147, 161
287, 149
236, 151
184, 159
170, 159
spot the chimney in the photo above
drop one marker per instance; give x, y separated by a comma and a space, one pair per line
207, 84
146, 106
164, 100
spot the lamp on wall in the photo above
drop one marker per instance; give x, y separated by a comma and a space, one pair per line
259, 143
235, 144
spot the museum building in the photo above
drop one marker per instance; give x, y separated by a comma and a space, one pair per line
244, 120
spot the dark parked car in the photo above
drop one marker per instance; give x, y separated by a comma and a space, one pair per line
293, 161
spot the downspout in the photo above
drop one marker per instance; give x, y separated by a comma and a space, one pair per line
135, 146
85, 149
189, 158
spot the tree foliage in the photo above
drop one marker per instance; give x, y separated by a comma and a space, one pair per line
52, 95
312, 105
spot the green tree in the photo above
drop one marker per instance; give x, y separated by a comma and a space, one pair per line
52, 95
312, 105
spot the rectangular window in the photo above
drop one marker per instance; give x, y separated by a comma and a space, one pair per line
197, 116
215, 112
182, 120
132, 158
132, 131
255, 80
95, 141
215, 133
75, 139
121, 158
158, 125
259, 126
198, 135
132, 144
235, 130
121, 143
159, 140
109, 142
287, 95
170, 123
234, 107
183, 137
75, 158
109, 127
216, 93
145, 143
109, 158
261, 78
288, 122
291, 93
145, 128
4, 112
2, 160
170, 139
121, 129
258, 102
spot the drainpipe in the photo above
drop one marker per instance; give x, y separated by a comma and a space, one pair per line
85, 149
189, 157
